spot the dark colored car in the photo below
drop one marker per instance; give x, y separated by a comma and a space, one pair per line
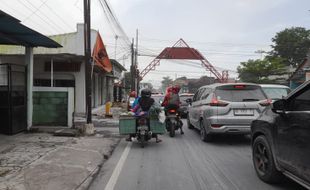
184, 103
281, 139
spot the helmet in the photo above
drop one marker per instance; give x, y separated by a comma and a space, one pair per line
169, 89
176, 88
133, 94
146, 93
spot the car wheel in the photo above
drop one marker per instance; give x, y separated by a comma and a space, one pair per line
263, 161
203, 133
189, 125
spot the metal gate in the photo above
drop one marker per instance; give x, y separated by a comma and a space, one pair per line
13, 98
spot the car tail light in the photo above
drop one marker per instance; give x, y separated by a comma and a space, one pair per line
216, 125
216, 102
239, 86
265, 102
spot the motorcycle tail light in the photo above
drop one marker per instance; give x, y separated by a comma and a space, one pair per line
142, 121
172, 111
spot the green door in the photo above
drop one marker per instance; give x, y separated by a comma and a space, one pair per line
50, 108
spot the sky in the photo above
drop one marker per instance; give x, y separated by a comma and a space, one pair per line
226, 32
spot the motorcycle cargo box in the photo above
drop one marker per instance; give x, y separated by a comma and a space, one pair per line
157, 127
127, 125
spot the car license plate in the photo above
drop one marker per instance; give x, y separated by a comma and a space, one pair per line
244, 112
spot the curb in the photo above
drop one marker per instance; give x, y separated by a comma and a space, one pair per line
92, 176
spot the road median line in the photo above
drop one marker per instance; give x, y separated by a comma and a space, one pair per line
117, 170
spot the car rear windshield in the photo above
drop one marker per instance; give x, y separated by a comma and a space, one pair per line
184, 98
240, 93
276, 93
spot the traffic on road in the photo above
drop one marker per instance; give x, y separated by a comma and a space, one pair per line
155, 95
236, 138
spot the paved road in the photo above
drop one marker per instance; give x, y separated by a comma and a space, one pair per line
184, 163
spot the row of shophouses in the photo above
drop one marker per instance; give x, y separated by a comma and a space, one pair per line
58, 86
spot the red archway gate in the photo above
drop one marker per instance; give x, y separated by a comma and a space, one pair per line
181, 50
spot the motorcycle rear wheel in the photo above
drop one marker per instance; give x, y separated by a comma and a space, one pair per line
172, 130
142, 141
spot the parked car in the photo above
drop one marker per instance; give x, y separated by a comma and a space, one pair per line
275, 91
184, 97
281, 139
226, 108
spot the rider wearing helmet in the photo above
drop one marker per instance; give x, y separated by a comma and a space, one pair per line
144, 103
142, 108
172, 101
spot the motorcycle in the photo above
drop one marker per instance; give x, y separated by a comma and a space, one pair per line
143, 130
173, 122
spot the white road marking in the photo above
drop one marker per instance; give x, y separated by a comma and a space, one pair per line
117, 170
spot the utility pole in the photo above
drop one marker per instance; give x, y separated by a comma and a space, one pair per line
136, 63
132, 67
87, 56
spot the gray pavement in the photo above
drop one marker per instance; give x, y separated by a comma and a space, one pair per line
185, 162
35, 161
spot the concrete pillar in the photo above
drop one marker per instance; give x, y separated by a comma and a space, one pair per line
29, 63
104, 88
96, 90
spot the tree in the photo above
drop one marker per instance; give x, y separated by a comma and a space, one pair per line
259, 71
167, 81
146, 85
292, 45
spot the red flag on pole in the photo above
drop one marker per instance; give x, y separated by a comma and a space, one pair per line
100, 55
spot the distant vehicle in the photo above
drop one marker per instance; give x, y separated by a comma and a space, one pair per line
281, 139
275, 92
184, 103
158, 98
226, 108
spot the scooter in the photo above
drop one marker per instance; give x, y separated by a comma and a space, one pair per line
173, 122
143, 130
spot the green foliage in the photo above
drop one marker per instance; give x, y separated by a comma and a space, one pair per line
292, 45
258, 71
167, 81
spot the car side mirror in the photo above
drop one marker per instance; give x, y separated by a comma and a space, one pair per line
279, 106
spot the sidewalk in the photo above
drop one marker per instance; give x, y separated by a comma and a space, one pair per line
35, 161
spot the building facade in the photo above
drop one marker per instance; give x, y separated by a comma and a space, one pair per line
59, 79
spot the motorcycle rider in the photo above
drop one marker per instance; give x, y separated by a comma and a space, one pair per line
172, 101
142, 108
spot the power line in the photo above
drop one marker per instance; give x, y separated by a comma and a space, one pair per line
200, 42
52, 21
38, 15
116, 20
55, 13
24, 15
35, 11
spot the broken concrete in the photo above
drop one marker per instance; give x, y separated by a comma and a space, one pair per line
33, 161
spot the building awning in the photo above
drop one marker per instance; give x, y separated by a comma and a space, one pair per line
12, 32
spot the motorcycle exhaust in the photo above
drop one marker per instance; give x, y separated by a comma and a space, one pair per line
150, 133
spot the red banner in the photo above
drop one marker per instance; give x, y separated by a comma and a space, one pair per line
100, 55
